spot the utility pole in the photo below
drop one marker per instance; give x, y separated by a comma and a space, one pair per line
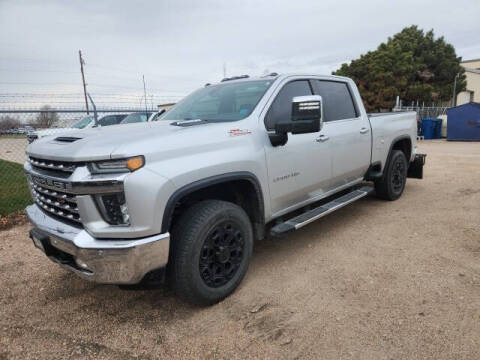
454, 99
224, 70
83, 78
145, 94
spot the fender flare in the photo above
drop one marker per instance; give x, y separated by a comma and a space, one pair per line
394, 141
203, 183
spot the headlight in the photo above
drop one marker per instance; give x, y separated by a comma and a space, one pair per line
116, 166
113, 208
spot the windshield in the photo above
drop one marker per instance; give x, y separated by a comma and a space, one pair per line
134, 118
83, 122
222, 102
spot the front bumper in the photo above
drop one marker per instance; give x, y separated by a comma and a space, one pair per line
113, 261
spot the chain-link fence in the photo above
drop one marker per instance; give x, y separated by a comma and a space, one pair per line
432, 111
423, 110
19, 127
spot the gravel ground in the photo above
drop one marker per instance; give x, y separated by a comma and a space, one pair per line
13, 149
375, 280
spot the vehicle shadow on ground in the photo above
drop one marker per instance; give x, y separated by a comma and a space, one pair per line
144, 306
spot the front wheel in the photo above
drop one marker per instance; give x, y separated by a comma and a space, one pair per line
212, 244
391, 185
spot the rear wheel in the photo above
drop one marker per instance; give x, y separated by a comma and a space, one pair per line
391, 185
212, 245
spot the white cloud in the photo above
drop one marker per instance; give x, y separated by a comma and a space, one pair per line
180, 45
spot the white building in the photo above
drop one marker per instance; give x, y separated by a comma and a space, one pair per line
472, 72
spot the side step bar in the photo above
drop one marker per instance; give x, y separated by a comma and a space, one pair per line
314, 214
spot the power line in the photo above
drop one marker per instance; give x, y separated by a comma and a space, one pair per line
39, 71
75, 95
90, 84
33, 83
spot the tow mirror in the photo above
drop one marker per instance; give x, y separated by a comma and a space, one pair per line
307, 117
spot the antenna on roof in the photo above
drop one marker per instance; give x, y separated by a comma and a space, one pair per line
145, 94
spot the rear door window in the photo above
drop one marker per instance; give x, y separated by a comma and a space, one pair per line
108, 120
281, 108
337, 100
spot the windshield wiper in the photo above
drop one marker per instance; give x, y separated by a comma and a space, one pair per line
189, 122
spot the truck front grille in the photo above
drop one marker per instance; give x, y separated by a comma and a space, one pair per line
64, 167
56, 202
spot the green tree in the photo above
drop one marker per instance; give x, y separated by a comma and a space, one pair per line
411, 64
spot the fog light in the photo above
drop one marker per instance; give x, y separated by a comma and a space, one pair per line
114, 209
124, 211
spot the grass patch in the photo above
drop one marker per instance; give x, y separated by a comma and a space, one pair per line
14, 193
13, 136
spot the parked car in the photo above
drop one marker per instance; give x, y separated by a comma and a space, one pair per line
84, 123
191, 192
136, 117
156, 115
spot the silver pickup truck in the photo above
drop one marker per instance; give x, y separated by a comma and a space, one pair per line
184, 198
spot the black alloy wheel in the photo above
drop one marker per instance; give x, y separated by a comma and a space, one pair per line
221, 254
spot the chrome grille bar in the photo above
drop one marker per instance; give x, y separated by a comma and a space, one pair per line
61, 213
55, 202
53, 165
55, 194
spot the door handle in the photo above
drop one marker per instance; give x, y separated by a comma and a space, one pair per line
322, 138
364, 130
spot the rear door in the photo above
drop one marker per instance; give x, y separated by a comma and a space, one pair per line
300, 170
349, 133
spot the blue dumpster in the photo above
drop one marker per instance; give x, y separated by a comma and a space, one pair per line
464, 122
437, 128
427, 128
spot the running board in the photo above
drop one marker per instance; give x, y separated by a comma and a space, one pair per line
314, 214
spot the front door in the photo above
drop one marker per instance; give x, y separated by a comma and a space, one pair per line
300, 170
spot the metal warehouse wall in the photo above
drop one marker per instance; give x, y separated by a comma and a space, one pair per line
464, 122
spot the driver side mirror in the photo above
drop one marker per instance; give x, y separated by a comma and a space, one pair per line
307, 117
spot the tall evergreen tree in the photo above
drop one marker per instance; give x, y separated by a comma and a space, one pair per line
411, 64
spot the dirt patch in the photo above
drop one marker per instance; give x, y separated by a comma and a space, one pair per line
15, 219
13, 149
375, 280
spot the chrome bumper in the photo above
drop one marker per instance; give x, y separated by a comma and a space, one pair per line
113, 261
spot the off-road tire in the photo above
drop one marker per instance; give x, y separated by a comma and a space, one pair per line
391, 185
192, 243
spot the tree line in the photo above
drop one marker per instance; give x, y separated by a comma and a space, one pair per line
46, 118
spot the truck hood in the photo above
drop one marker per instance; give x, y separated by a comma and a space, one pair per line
53, 131
124, 140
